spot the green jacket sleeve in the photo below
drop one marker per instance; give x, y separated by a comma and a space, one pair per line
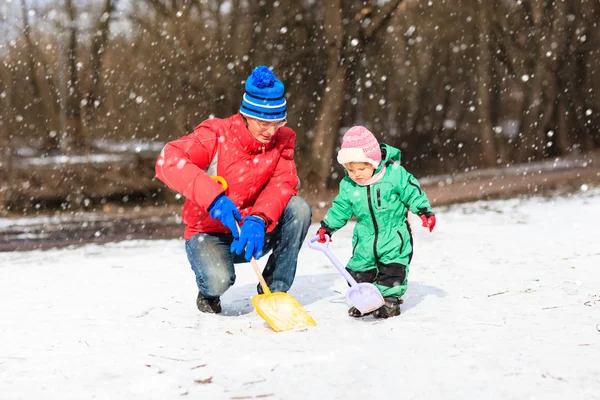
412, 195
340, 212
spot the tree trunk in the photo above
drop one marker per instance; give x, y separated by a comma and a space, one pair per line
75, 141
236, 37
50, 139
100, 39
6, 133
328, 121
547, 117
553, 117
563, 140
412, 97
344, 48
530, 143
488, 141
532, 139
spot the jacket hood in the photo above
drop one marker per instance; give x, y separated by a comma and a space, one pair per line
389, 155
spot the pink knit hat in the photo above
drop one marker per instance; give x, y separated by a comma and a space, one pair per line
359, 145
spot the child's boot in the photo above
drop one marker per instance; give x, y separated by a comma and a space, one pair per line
390, 308
354, 313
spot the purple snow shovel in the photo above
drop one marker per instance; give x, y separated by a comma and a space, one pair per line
364, 296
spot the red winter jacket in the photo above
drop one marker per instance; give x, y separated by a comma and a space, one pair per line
261, 177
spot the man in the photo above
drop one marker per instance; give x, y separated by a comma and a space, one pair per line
254, 152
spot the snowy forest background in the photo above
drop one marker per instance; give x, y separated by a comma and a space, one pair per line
91, 90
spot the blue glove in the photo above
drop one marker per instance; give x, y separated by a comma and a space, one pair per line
223, 209
252, 237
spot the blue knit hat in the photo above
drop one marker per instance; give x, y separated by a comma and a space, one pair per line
264, 98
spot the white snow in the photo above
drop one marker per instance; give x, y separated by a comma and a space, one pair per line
503, 303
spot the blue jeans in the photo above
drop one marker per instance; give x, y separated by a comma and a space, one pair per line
212, 261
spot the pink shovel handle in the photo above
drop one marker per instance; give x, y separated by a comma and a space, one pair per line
324, 247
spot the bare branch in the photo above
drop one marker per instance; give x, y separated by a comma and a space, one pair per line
381, 15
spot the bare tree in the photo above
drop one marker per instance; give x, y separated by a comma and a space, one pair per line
484, 86
532, 143
74, 139
345, 42
6, 134
98, 49
546, 48
327, 124
432, 78
45, 115
576, 75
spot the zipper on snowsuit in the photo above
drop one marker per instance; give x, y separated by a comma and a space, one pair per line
370, 201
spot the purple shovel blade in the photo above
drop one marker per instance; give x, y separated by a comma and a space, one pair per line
364, 296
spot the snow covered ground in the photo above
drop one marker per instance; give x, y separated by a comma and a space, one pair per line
503, 303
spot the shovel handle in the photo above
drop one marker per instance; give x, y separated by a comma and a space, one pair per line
314, 244
221, 181
260, 277
256, 269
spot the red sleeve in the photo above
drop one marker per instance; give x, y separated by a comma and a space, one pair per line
281, 187
182, 162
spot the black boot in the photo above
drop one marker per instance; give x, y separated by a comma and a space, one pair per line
208, 305
354, 313
390, 308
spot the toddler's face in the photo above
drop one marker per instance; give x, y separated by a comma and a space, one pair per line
359, 172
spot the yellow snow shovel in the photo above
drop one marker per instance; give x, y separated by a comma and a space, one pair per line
280, 310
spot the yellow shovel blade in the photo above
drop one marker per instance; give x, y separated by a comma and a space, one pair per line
282, 311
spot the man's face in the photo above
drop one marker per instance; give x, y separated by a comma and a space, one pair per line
263, 131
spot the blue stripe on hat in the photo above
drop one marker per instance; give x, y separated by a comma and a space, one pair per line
264, 97
263, 113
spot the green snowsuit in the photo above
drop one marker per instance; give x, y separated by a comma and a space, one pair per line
382, 243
